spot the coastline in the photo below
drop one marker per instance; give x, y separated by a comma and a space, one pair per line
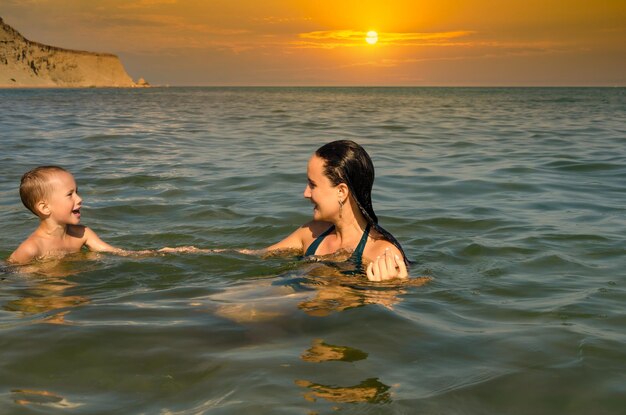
77, 87
26, 64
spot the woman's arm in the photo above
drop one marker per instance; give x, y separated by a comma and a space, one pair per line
300, 239
291, 242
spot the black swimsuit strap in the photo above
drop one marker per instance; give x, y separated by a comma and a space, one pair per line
358, 252
316, 243
357, 255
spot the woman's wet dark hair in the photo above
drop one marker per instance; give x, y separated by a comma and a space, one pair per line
347, 162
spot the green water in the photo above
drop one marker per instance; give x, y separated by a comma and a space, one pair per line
511, 200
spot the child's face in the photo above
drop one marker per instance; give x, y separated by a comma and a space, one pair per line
63, 200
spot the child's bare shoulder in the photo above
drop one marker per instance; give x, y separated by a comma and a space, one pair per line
28, 250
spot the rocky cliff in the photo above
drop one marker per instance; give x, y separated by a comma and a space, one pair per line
30, 64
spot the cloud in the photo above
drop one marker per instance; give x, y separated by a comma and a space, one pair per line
26, 2
477, 51
174, 26
141, 4
331, 39
281, 20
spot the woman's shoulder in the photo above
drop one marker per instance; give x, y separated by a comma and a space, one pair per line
315, 228
378, 244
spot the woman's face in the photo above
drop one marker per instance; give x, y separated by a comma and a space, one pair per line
321, 192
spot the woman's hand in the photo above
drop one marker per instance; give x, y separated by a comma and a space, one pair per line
387, 267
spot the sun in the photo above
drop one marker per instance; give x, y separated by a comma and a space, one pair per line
371, 37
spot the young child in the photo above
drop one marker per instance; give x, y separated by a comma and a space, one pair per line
50, 192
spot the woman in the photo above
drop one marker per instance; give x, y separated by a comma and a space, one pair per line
340, 178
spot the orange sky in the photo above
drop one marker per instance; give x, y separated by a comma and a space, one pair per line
320, 42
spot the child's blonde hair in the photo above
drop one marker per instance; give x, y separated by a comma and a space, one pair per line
34, 186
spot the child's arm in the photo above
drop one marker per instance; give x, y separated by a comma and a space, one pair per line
94, 243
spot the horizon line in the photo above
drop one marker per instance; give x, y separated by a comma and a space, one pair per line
311, 86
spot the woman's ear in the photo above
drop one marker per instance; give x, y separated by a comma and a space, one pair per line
343, 191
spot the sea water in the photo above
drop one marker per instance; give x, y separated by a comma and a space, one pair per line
512, 200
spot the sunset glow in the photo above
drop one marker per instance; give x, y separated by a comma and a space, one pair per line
302, 42
371, 37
